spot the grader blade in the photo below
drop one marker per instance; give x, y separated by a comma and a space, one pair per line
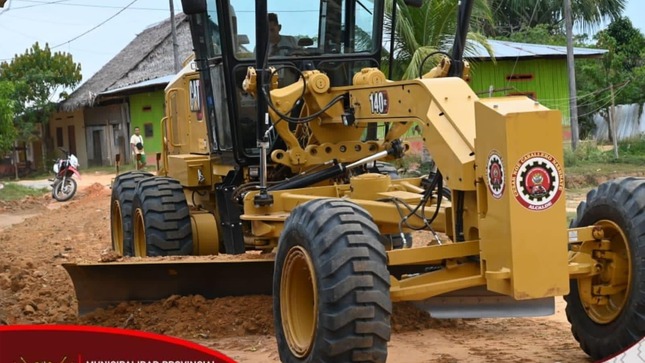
477, 302
108, 284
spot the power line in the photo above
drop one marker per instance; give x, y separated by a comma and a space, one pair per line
96, 26
41, 3
34, 5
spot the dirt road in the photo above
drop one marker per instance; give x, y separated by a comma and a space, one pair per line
34, 289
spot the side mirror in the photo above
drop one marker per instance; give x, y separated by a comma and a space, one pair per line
243, 39
191, 7
414, 3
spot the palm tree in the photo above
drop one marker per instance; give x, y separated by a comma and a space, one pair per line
511, 16
430, 28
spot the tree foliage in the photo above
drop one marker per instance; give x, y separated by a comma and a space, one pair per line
7, 130
622, 67
39, 77
511, 16
421, 31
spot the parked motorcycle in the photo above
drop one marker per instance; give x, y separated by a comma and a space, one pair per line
63, 185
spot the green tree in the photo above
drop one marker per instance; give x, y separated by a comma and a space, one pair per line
623, 66
421, 31
511, 16
7, 130
39, 78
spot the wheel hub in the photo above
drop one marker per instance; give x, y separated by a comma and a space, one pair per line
604, 295
299, 302
139, 234
117, 226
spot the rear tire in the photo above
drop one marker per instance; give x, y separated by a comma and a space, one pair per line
161, 219
618, 207
64, 191
331, 287
121, 211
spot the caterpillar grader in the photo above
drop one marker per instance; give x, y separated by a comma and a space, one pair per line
280, 161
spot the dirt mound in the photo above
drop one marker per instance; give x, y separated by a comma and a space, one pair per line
25, 204
95, 190
192, 317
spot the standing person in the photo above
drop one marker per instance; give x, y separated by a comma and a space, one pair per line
136, 144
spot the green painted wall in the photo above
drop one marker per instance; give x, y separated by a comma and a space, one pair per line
549, 81
146, 110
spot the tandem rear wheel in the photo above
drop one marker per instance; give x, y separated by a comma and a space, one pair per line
161, 223
121, 210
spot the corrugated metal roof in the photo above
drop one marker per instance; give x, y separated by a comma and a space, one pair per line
151, 82
504, 49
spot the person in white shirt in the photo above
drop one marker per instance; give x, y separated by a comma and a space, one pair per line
136, 144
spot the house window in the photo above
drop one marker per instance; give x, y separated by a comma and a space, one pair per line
519, 77
59, 137
147, 129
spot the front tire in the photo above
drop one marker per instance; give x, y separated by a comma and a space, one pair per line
161, 219
604, 329
121, 211
331, 287
64, 190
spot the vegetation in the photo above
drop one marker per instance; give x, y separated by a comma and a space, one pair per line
13, 191
7, 130
422, 31
37, 78
632, 152
622, 68
512, 16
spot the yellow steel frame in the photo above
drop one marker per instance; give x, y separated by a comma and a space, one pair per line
515, 252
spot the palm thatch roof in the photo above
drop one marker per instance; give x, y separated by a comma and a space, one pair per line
148, 56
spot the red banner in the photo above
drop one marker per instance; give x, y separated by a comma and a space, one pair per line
87, 344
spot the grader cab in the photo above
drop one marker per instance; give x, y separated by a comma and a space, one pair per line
276, 156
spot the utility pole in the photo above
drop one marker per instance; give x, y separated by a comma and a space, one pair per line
173, 31
573, 102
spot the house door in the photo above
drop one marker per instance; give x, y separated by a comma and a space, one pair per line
97, 137
71, 137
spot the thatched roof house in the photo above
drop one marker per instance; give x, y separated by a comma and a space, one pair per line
149, 56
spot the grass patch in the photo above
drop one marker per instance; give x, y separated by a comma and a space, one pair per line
588, 153
13, 191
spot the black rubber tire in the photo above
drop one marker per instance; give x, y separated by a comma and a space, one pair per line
166, 217
54, 186
351, 279
123, 193
63, 197
621, 201
384, 168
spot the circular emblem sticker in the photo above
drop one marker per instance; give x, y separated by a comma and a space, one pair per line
496, 175
537, 181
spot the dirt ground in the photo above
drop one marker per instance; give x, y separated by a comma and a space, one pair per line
38, 234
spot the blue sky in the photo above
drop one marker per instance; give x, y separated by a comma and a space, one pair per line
58, 21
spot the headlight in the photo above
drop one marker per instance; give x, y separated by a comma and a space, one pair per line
56, 168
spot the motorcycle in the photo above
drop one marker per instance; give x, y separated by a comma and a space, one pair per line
63, 185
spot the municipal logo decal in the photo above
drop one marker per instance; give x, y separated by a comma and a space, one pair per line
495, 173
537, 181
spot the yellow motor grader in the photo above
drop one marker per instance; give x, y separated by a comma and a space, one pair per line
278, 145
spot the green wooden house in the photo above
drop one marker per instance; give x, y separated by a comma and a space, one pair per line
535, 70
